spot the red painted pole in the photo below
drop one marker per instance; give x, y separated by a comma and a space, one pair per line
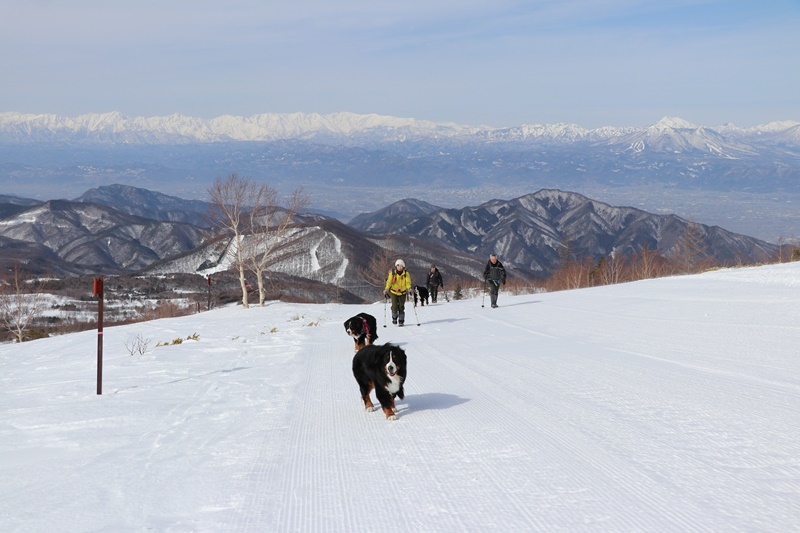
98, 291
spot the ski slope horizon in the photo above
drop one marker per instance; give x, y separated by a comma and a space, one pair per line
660, 405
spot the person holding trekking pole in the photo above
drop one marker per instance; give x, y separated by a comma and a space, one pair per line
398, 283
434, 282
494, 274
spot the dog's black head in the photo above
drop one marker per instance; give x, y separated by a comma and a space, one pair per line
394, 362
362, 325
355, 327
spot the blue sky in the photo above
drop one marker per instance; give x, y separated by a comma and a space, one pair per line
493, 62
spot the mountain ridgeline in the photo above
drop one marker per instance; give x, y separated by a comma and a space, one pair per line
121, 229
62, 236
531, 233
669, 134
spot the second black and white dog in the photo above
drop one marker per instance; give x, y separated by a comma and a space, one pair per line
363, 328
382, 369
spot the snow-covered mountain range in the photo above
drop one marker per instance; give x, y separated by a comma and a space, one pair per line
106, 230
78, 237
532, 231
115, 127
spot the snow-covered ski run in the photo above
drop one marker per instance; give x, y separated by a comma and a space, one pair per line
660, 405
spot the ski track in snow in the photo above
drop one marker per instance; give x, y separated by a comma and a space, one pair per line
594, 410
315, 266
341, 271
551, 407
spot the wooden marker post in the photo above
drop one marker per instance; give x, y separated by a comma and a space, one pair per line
209, 292
98, 291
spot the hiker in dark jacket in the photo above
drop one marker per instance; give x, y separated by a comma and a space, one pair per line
434, 282
494, 274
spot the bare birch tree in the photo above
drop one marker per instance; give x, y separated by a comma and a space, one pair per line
571, 274
268, 223
647, 264
230, 201
613, 269
22, 300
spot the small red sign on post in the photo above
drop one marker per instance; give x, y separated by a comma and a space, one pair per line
98, 291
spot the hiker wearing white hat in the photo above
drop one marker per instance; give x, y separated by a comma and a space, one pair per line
398, 283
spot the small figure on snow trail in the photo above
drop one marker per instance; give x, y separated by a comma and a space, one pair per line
494, 274
398, 283
434, 282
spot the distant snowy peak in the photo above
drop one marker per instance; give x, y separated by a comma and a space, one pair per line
352, 128
673, 123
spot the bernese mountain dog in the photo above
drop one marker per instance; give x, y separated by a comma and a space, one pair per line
363, 328
421, 293
381, 368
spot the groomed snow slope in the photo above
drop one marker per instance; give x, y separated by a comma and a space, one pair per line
662, 405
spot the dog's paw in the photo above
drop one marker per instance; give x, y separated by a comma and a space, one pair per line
369, 409
391, 417
394, 410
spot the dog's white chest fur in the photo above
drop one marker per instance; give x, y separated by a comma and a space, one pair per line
394, 384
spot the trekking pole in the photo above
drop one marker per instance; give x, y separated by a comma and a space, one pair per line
484, 293
415, 310
384, 309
